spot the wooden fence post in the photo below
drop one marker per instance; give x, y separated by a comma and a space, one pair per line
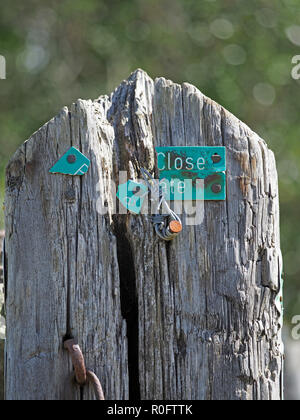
196, 318
2, 321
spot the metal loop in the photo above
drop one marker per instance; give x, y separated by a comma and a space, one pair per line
148, 178
77, 361
162, 222
81, 374
93, 379
159, 218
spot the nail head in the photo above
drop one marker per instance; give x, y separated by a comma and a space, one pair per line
216, 158
71, 158
216, 188
175, 226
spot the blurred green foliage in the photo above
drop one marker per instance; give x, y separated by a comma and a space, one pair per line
237, 52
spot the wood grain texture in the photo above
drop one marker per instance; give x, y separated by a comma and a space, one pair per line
191, 319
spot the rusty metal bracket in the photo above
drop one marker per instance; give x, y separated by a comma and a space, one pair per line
83, 375
93, 379
77, 361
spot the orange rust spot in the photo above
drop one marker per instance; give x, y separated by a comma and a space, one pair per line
175, 226
244, 184
243, 158
253, 169
249, 169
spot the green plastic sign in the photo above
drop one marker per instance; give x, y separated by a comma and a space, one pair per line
71, 163
192, 173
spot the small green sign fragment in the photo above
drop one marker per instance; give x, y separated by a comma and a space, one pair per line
132, 195
71, 163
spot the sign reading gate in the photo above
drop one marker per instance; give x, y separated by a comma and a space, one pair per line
192, 173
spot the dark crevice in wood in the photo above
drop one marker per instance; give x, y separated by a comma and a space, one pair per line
68, 286
81, 393
67, 337
70, 124
129, 307
69, 333
68, 320
80, 180
223, 136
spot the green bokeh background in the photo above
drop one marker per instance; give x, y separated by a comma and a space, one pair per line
235, 51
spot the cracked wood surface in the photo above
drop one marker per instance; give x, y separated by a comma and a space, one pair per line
191, 319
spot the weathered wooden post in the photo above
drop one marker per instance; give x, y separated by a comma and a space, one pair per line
195, 318
2, 322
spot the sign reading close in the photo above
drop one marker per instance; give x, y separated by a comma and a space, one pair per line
192, 173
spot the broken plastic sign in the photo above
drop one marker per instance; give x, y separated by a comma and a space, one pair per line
71, 163
132, 195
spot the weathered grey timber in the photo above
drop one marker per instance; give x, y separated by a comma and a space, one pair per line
191, 319
2, 342
2, 321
